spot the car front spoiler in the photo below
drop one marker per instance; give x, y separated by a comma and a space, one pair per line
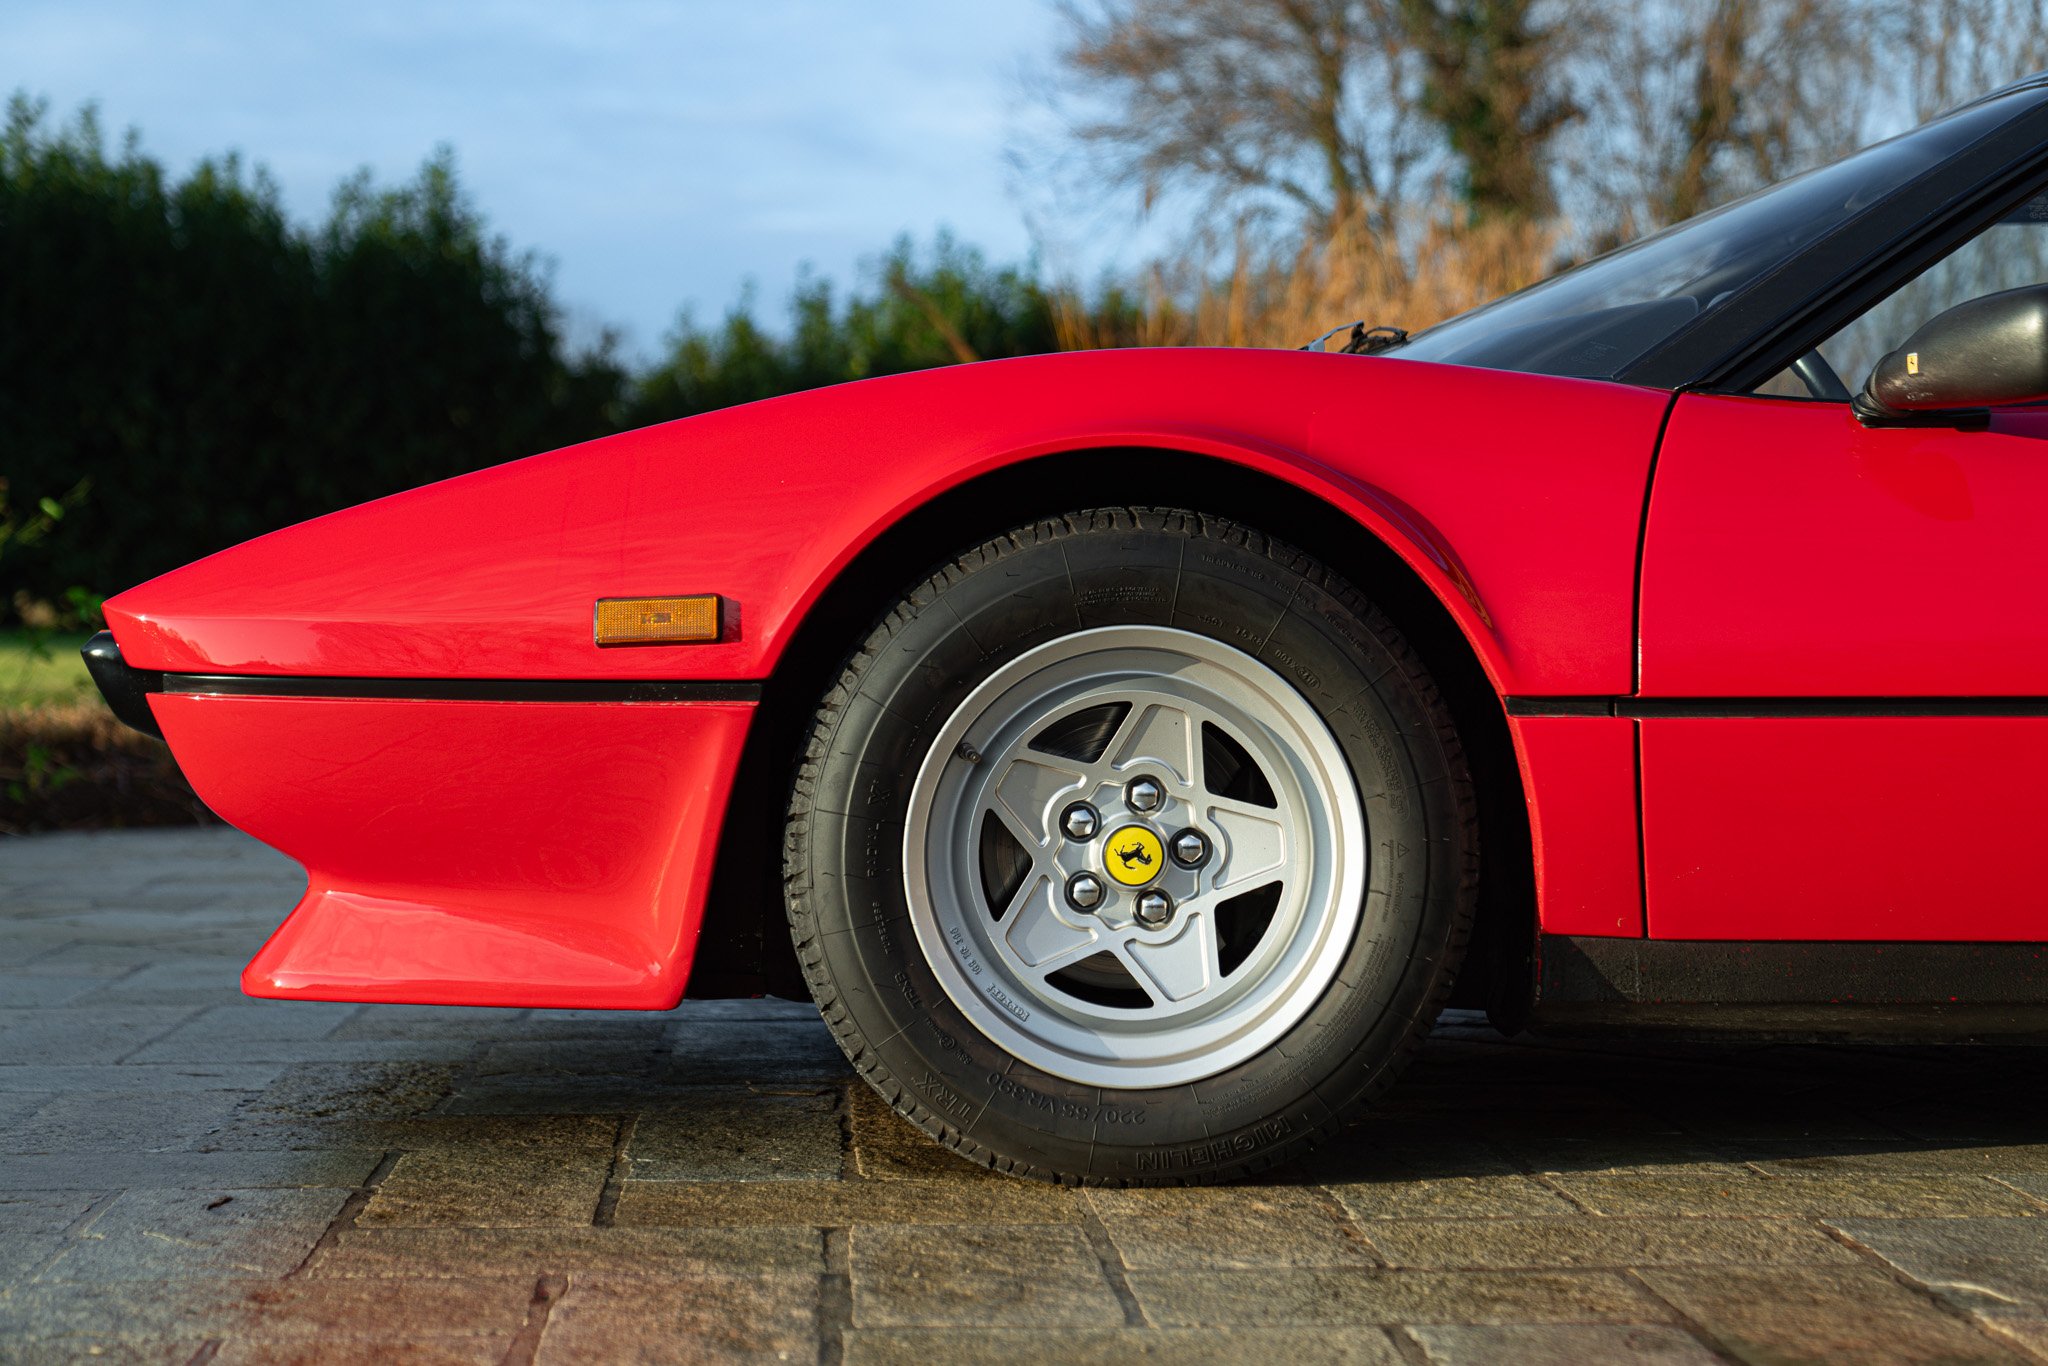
126, 688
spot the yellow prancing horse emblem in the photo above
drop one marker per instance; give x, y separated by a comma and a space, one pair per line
1133, 855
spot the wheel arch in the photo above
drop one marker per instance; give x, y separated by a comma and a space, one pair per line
1385, 548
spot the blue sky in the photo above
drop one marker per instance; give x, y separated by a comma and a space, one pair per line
660, 153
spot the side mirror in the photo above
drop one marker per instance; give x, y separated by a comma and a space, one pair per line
1979, 355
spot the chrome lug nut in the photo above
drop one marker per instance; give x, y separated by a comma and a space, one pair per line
1144, 794
1190, 850
1084, 891
1154, 909
1080, 821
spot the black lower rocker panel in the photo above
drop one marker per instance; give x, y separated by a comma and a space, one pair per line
1894, 990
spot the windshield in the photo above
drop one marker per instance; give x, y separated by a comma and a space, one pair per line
1595, 320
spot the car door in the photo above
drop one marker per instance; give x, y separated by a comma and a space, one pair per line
1843, 703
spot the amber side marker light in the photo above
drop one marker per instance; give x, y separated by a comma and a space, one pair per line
659, 621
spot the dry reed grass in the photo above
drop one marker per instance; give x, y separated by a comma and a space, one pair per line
1278, 297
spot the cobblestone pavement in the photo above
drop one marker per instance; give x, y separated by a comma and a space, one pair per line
186, 1175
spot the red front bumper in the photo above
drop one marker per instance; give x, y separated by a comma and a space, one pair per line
473, 853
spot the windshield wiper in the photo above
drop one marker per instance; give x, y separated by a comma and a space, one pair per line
1363, 341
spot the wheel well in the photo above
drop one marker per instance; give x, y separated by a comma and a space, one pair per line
744, 950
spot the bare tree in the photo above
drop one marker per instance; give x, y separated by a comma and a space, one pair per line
1694, 102
1301, 108
1592, 120
1496, 89
1960, 49
1331, 111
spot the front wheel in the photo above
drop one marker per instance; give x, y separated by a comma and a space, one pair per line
1133, 847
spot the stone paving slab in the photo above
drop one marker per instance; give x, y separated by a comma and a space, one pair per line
1112, 1347
1839, 1314
1559, 1344
743, 1317
58, 1317
1223, 1228
1992, 1267
412, 1253
187, 1175
742, 1137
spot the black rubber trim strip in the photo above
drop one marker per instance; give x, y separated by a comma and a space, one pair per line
1720, 707
1560, 706
1661, 972
467, 689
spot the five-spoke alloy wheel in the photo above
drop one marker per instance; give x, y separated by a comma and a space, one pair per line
1133, 847
1152, 866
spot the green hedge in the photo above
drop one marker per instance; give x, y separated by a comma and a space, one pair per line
217, 371
194, 368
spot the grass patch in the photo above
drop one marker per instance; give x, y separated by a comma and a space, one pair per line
52, 675
65, 762
72, 766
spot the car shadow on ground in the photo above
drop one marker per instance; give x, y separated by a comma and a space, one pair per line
765, 1086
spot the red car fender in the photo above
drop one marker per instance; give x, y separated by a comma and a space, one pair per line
1578, 775
1397, 526
1517, 498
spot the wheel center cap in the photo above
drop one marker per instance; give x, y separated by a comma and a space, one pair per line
1133, 855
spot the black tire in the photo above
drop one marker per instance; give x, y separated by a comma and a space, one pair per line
844, 847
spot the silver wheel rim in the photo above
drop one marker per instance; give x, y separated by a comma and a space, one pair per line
1234, 964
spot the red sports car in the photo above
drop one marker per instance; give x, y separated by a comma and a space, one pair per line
1148, 745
